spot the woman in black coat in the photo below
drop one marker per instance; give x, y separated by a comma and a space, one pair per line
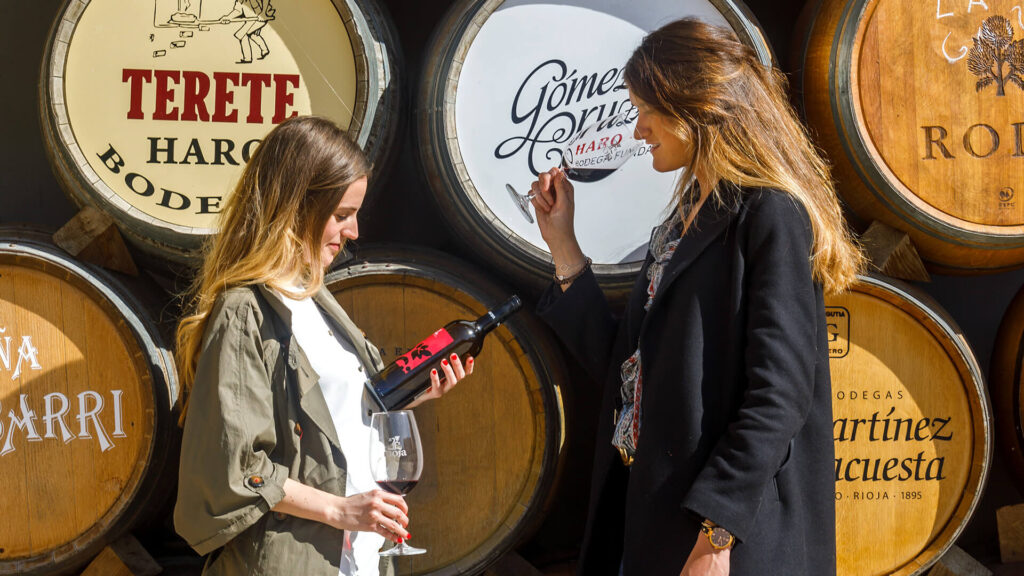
714, 453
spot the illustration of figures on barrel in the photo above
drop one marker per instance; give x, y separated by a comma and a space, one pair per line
151, 108
918, 104
911, 429
504, 99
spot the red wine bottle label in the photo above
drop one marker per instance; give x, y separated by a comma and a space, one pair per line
424, 351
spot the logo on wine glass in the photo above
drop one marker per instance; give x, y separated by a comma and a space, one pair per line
395, 448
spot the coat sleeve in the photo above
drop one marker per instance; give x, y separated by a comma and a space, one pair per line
226, 479
583, 321
779, 357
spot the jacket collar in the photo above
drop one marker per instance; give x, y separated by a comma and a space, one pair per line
711, 221
328, 304
311, 397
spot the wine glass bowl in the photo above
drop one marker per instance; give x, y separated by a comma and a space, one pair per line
396, 460
594, 153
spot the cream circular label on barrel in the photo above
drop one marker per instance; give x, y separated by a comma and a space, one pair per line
906, 433
939, 88
77, 405
535, 74
165, 100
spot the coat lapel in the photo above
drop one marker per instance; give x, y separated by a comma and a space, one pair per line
311, 397
712, 220
337, 315
328, 304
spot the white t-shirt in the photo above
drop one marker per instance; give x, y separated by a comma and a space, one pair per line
342, 380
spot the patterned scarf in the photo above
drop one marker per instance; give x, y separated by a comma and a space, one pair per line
663, 245
627, 430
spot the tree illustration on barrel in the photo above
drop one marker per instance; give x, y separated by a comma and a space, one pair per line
993, 48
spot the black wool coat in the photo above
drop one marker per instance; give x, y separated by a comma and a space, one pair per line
736, 407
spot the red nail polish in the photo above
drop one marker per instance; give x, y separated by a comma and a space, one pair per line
408, 536
470, 361
454, 356
433, 372
444, 362
399, 540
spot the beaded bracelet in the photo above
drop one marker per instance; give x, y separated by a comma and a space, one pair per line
563, 280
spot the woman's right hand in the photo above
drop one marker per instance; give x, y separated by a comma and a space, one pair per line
377, 511
554, 204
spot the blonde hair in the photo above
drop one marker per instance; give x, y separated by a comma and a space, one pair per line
271, 224
734, 112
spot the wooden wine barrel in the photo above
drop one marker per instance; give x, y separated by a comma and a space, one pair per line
923, 130
150, 114
911, 428
1005, 372
501, 94
493, 446
86, 389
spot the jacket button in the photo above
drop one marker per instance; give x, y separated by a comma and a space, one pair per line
256, 481
298, 429
279, 516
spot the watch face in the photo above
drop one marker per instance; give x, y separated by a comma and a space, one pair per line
720, 537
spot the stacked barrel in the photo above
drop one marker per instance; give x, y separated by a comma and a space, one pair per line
918, 111
88, 384
149, 110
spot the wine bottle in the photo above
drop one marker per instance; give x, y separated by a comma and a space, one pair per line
402, 381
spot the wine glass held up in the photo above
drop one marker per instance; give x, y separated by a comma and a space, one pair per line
396, 460
593, 153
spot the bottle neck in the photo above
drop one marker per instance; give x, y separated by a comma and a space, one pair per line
493, 318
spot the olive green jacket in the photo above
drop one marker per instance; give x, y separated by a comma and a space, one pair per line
257, 416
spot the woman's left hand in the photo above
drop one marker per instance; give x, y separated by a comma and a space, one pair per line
452, 371
705, 560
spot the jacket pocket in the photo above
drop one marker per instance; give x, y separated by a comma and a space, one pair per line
782, 466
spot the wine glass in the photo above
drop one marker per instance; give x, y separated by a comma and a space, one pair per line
593, 153
396, 460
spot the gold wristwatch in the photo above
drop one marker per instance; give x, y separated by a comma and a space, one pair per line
719, 537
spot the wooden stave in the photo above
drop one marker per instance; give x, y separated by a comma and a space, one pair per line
1006, 372
925, 310
435, 268
954, 246
167, 245
468, 216
153, 477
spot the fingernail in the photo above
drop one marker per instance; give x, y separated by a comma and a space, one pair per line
444, 362
470, 361
408, 536
454, 356
433, 372
399, 540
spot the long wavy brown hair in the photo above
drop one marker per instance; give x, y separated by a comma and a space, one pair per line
733, 111
271, 224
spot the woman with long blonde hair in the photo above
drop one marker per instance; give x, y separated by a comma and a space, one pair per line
274, 474
715, 451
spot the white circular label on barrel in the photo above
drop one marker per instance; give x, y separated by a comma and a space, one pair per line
535, 74
165, 100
